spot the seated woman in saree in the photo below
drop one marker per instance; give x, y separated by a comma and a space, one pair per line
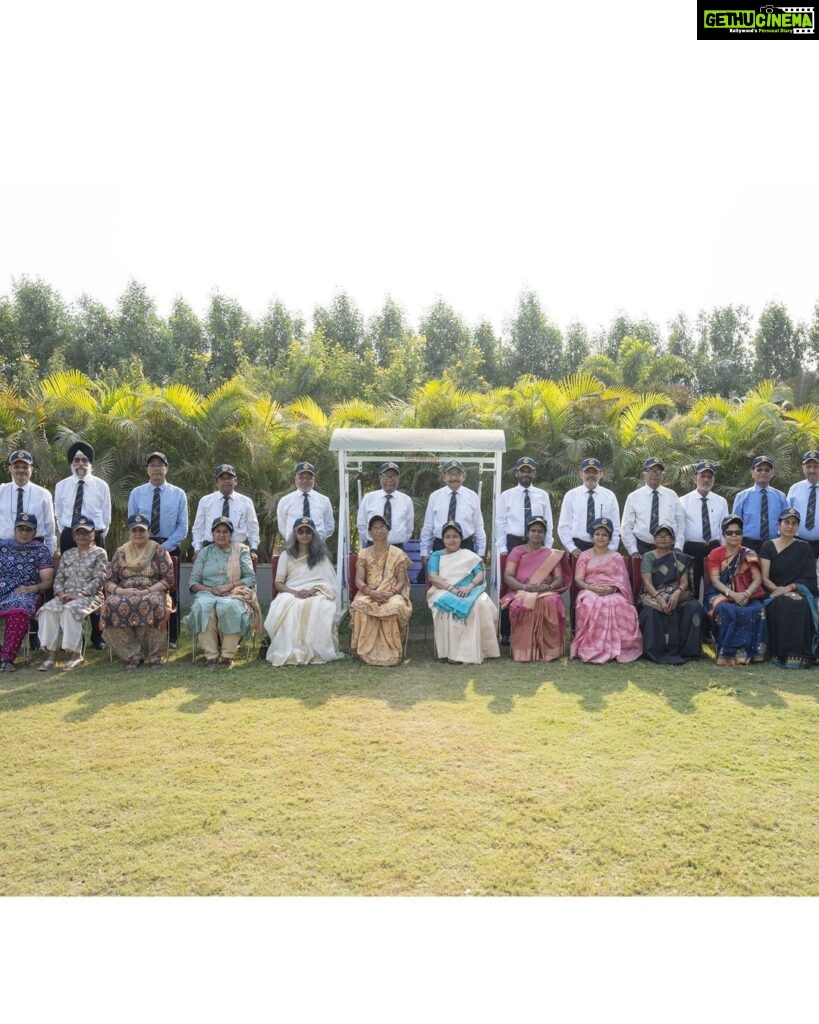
77, 593
137, 606
224, 606
733, 598
382, 608
789, 577
670, 618
536, 577
26, 573
301, 622
464, 619
607, 627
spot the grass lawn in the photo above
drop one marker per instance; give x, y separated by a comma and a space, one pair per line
427, 779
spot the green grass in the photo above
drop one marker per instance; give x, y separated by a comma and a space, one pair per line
426, 779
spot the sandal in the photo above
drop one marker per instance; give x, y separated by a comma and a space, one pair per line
211, 663
7, 666
226, 663
132, 666
47, 665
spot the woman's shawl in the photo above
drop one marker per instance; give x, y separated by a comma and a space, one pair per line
458, 569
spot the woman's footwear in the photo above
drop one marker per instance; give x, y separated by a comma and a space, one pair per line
211, 663
7, 666
155, 663
47, 665
74, 662
132, 665
226, 663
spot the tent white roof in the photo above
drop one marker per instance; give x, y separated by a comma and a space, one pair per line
385, 440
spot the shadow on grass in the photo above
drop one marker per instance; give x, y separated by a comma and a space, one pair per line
100, 685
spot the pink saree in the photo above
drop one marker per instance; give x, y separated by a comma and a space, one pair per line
606, 627
538, 620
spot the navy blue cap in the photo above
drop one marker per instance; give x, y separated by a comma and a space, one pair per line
375, 518
225, 467
525, 461
653, 461
388, 465
706, 464
26, 519
138, 519
732, 519
83, 523
157, 455
452, 525
762, 458
666, 526
810, 457
452, 464
304, 521
221, 521
304, 467
536, 519
21, 455
602, 523
591, 464
786, 513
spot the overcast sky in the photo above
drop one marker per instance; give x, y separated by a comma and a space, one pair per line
468, 150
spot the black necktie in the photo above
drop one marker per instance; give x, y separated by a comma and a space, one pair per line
527, 508
19, 500
706, 522
451, 514
589, 512
810, 520
654, 522
226, 507
388, 511
764, 528
155, 513
77, 511
305, 508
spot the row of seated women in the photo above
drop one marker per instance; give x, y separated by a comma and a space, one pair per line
757, 606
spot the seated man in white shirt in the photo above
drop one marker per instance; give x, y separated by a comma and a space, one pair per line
227, 502
518, 504
395, 506
453, 503
582, 505
83, 494
704, 512
305, 501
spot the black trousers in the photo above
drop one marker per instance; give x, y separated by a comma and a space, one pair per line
582, 545
173, 621
468, 544
698, 549
642, 546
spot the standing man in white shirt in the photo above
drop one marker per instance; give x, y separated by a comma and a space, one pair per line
704, 512
518, 505
582, 505
453, 503
83, 494
226, 502
21, 495
305, 501
649, 506
395, 506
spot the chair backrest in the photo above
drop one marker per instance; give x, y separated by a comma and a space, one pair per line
633, 565
412, 549
502, 588
351, 563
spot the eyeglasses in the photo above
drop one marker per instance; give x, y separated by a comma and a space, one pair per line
733, 533
304, 529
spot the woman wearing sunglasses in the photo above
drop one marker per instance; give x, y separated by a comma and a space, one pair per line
733, 598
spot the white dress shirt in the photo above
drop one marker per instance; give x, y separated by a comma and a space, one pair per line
637, 517
242, 513
37, 501
467, 515
96, 501
402, 515
509, 516
290, 508
573, 515
692, 506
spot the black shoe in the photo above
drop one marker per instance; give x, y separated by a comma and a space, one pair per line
505, 641
99, 645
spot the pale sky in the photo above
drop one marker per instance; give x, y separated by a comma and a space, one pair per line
468, 150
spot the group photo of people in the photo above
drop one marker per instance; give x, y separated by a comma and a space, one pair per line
668, 578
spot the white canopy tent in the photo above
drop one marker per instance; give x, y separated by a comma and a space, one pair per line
359, 445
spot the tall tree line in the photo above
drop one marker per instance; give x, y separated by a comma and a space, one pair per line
340, 355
